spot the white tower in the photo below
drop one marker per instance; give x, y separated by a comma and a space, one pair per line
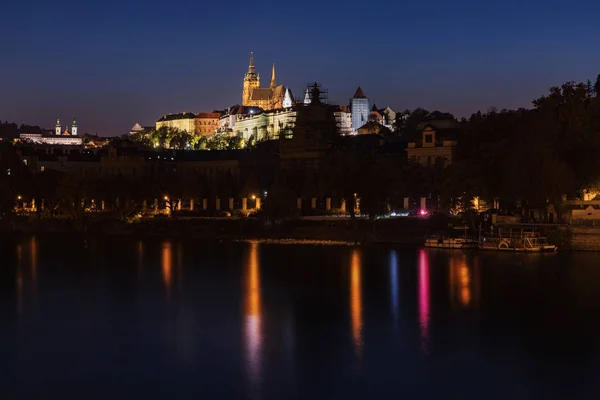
57, 129
288, 100
74, 127
307, 97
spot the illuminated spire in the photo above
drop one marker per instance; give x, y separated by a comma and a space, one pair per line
273, 82
251, 66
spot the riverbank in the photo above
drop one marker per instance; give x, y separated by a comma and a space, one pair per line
398, 231
403, 231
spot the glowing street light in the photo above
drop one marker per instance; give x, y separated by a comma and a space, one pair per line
253, 197
19, 197
166, 197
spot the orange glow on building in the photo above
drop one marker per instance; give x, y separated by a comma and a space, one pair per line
253, 332
356, 316
167, 265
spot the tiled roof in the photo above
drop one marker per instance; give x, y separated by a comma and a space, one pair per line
359, 94
262, 94
208, 115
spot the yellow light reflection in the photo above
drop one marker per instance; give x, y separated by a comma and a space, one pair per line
167, 265
465, 280
356, 302
253, 313
460, 281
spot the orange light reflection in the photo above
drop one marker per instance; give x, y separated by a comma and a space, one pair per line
253, 312
356, 302
167, 265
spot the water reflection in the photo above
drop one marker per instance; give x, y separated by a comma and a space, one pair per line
463, 281
140, 252
33, 246
424, 299
19, 280
394, 285
253, 313
167, 265
179, 267
356, 315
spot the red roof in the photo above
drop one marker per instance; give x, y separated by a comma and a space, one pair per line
208, 115
359, 94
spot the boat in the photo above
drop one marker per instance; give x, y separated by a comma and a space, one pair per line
516, 239
441, 242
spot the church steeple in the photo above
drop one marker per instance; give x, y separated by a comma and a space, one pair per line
273, 82
74, 127
251, 65
57, 127
251, 82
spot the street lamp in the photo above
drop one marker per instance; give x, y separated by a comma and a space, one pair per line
253, 197
166, 197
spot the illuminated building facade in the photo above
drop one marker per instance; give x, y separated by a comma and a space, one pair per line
359, 105
185, 121
60, 137
265, 125
206, 124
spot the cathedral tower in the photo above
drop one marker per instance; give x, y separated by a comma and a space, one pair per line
57, 128
74, 127
273, 82
251, 81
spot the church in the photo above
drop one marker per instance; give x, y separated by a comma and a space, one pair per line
253, 95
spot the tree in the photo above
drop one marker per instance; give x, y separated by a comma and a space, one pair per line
280, 203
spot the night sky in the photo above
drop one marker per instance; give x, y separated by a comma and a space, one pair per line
115, 63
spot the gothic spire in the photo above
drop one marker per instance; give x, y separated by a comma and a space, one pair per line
251, 66
273, 82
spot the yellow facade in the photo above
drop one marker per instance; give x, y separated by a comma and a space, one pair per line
182, 121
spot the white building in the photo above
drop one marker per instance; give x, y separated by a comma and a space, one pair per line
60, 138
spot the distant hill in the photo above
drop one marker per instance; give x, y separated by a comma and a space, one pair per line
10, 130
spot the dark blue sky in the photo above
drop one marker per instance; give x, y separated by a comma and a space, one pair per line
114, 63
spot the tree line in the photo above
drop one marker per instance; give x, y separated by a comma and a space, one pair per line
526, 158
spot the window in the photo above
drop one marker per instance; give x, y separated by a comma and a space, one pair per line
429, 138
42, 168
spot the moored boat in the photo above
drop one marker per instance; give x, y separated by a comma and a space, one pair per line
526, 240
441, 242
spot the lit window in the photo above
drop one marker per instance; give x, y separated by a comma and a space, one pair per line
42, 168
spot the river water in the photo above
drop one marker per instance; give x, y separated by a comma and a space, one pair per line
126, 318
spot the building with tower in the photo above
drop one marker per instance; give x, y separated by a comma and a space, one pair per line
253, 95
359, 105
59, 137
